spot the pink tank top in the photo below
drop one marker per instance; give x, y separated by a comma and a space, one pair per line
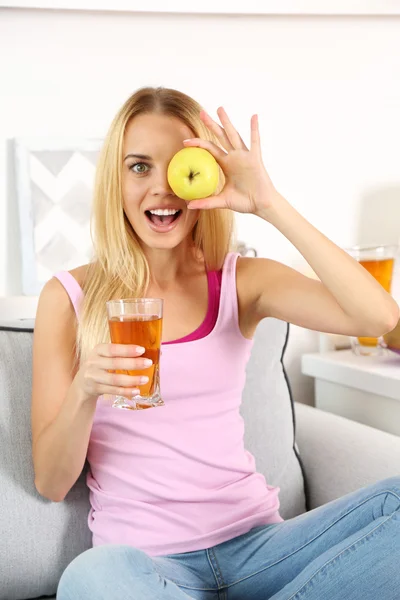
177, 478
214, 289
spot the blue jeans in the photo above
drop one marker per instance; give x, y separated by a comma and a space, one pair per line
348, 549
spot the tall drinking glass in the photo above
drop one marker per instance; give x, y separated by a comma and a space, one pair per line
138, 321
379, 262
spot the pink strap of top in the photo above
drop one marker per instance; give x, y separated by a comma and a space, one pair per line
214, 292
72, 288
75, 293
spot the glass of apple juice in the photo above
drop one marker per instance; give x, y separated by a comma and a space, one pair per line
138, 321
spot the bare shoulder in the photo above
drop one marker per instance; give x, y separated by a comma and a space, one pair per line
252, 265
80, 273
257, 279
244, 271
247, 275
248, 272
55, 311
54, 294
252, 271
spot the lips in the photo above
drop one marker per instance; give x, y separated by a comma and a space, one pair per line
163, 223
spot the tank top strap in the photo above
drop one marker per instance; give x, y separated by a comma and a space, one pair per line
228, 306
72, 288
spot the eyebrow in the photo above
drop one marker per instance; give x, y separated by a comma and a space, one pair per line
141, 156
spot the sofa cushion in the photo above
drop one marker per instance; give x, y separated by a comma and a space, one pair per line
40, 538
268, 412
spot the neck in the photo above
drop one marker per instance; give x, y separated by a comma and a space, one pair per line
169, 267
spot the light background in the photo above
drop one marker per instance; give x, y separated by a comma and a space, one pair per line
326, 88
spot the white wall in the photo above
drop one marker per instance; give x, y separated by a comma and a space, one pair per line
327, 91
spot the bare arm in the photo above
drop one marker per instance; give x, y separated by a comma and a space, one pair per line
61, 415
346, 300
63, 396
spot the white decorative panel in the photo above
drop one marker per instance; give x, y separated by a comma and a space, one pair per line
54, 180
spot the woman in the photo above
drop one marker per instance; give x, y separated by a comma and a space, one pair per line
177, 507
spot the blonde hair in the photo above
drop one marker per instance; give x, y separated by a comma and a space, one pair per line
119, 268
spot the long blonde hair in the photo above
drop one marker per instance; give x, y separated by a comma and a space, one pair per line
119, 268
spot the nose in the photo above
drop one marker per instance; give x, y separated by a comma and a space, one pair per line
160, 185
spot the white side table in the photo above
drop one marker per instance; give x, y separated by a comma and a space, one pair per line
362, 388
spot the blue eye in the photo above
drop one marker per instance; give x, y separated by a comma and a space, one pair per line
139, 168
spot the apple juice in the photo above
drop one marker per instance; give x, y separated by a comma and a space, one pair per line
141, 330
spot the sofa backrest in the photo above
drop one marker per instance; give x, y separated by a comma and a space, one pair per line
40, 538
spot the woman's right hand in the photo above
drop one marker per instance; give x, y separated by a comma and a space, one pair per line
98, 376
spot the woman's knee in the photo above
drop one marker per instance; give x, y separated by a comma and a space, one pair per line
390, 488
90, 572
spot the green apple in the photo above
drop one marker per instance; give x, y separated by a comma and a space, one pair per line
193, 173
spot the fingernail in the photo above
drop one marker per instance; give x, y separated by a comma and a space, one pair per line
135, 392
144, 379
139, 349
147, 362
186, 140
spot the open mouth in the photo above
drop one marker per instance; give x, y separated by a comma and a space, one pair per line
162, 221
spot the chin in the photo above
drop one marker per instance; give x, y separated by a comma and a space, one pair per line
162, 242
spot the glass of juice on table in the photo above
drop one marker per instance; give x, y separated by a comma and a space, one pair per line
138, 321
379, 262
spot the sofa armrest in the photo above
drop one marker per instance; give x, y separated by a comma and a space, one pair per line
340, 456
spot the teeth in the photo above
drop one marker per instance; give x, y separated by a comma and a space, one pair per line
167, 211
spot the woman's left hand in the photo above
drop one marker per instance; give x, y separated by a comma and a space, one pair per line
248, 188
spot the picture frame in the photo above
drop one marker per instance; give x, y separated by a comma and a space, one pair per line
54, 181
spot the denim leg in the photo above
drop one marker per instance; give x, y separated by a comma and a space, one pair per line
116, 572
346, 549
